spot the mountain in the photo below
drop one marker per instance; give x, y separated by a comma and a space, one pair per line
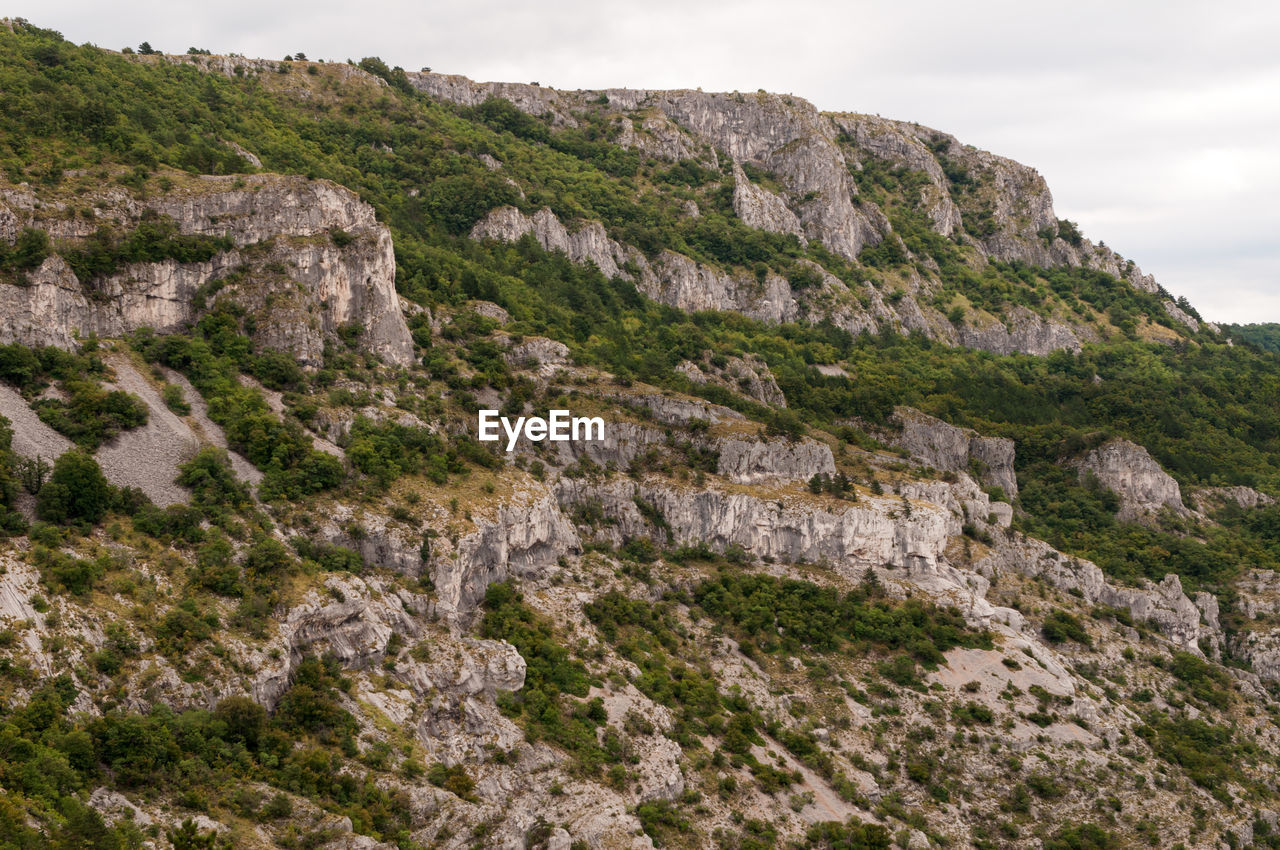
918, 519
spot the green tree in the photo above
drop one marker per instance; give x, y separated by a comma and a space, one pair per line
76, 490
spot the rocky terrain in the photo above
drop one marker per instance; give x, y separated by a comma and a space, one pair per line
837, 575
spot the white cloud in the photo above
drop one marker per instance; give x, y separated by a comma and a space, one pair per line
1154, 122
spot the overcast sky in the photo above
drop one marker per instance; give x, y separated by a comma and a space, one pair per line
1157, 124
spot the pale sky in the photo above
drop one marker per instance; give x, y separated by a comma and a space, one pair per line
1156, 124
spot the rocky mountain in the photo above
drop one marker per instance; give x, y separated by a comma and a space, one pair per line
918, 519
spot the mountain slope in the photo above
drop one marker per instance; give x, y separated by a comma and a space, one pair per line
919, 518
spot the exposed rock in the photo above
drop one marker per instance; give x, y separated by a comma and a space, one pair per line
674, 410
1026, 333
323, 285
1127, 469
760, 208
1261, 650
953, 449
1208, 499
535, 100
523, 539
1164, 605
790, 138
748, 375
862, 533
884, 139
379, 540
537, 351
354, 630
1177, 313
588, 243
489, 310
755, 461
1258, 593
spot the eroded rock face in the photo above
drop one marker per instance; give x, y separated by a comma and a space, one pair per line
810, 154
756, 461
749, 375
309, 258
1208, 499
1183, 621
1025, 333
872, 531
953, 449
524, 537
1127, 469
761, 209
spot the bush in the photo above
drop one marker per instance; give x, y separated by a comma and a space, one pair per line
1060, 627
76, 490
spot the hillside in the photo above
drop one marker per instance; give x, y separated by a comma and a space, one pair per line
919, 520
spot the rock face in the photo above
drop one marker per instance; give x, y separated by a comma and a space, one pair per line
1208, 499
749, 375
863, 533
1143, 487
1164, 605
755, 461
811, 156
1026, 333
308, 258
524, 538
760, 208
953, 449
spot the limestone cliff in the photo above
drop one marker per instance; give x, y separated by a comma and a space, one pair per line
1127, 469
1001, 209
308, 258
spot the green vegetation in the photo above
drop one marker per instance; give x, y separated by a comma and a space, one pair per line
51, 759
787, 615
76, 491
550, 704
87, 414
212, 360
155, 239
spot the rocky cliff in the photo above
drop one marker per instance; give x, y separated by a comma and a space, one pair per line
1001, 209
308, 258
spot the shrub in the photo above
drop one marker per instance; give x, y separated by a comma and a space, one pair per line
1061, 626
76, 490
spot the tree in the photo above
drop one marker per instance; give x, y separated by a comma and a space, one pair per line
76, 490
146, 49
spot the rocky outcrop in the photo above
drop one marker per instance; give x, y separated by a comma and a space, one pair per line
1127, 469
1003, 209
749, 375
1180, 315
537, 351
1261, 651
953, 449
672, 279
1024, 332
885, 140
761, 209
354, 630
870, 532
308, 258
1208, 499
587, 243
1183, 621
755, 461
623, 442
523, 538
1258, 593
